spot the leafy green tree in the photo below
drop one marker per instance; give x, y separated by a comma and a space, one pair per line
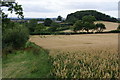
100, 27
87, 26
118, 28
89, 23
54, 24
89, 19
13, 34
59, 18
47, 22
12, 7
92, 27
52, 29
78, 26
32, 25
15, 37
71, 20
40, 28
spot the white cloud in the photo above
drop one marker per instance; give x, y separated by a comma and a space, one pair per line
53, 8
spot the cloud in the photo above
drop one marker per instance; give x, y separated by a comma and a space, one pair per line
106, 6
54, 6
37, 8
41, 6
64, 7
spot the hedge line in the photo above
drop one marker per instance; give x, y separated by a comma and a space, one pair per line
71, 33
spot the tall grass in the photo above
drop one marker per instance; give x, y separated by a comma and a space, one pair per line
31, 62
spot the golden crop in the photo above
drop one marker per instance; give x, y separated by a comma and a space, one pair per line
82, 56
101, 64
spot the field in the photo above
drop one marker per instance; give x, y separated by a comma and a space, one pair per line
82, 56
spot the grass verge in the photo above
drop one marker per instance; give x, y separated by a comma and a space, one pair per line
31, 62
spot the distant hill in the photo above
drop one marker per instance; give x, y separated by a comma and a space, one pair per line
71, 18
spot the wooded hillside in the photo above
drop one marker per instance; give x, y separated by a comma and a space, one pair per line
71, 18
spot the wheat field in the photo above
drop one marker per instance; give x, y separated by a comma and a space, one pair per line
109, 25
82, 56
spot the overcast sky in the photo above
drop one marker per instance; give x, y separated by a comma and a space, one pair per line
54, 8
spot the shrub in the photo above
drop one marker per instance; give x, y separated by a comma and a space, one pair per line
40, 28
15, 37
52, 29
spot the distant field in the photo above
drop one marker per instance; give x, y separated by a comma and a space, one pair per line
109, 26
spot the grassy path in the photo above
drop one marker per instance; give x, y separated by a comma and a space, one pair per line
28, 63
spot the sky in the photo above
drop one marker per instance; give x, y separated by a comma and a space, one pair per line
54, 8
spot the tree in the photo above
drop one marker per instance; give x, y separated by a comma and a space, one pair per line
15, 37
40, 28
52, 29
47, 22
89, 19
71, 20
100, 27
59, 18
13, 34
32, 25
93, 27
78, 26
87, 26
54, 24
89, 23
118, 28
13, 7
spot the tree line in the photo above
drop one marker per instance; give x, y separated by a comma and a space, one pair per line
87, 24
48, 26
